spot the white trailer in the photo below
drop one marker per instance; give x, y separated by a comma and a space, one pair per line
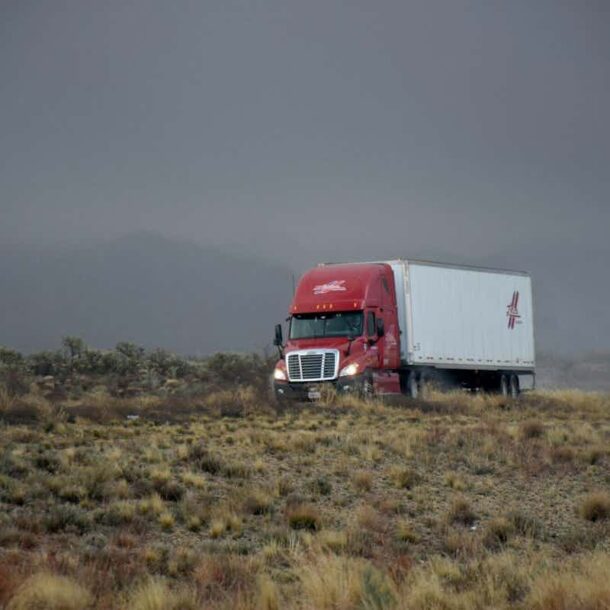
470, 319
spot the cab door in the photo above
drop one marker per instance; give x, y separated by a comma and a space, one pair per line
389, 343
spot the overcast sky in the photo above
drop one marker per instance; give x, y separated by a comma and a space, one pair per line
308, 130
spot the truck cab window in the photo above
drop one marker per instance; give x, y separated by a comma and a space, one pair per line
316, 325
370, 324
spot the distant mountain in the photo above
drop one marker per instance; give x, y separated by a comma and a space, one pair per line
142, 288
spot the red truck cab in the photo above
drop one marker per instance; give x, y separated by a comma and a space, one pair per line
343, 330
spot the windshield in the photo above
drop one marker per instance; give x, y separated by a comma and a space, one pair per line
315, 325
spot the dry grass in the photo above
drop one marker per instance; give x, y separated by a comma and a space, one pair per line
50, 592
595, 507
461, 501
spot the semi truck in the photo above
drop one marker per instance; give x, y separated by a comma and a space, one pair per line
399, 326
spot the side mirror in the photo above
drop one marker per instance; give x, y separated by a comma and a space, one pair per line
380, 328
278, 341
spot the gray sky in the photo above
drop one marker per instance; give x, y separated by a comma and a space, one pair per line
308, 130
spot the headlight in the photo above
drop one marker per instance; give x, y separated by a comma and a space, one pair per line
349, 370
279, 374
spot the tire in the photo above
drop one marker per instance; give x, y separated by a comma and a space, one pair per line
513, 387
504, 385
367, 391
413, 385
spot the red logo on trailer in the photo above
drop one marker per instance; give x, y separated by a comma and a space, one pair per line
334, 286
512, 311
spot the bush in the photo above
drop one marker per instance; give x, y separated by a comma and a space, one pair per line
50, 592
303, 516
461, 512
67, 518
258, 503
404, 478
363, 480
497, 532
595, 507
532, 429
525, 524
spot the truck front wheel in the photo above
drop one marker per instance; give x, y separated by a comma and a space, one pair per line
367, 390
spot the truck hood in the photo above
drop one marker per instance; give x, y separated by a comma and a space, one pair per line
340, 343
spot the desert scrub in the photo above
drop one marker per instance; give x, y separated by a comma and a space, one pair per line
404, 478
231, 535
580, 584
226, 523
461, 512
193, 479
331, 582
497, 533
455, 481
303, 516
155, 594
50, 592
363, 480
595, 507
166, 520
258, 502
532, 428
405, 532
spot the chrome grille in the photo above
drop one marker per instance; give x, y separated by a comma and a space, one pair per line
329, 365
312, 365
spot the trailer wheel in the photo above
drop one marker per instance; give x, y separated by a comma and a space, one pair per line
504, 385
513, 387
413, 384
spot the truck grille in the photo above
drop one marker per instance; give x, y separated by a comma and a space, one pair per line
310, 365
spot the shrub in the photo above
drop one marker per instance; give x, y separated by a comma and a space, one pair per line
50, 592
204, 460
236, 470
219, 576
321, 486
303, 516
171, 490
119, 513
461, 512
166, 520
562, 455
258, 503
363, 480
532, 429
584, 586
228, 522
67, 518
405, 532
455, 481
525, 524
193, 480
154, 594
47, 461
333, 540
331, 582
497, 532
595, 507
404, 478
268, 594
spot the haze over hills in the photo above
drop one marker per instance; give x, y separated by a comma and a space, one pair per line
142, 288
197, 300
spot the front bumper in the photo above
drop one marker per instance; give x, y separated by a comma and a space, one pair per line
310, 391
